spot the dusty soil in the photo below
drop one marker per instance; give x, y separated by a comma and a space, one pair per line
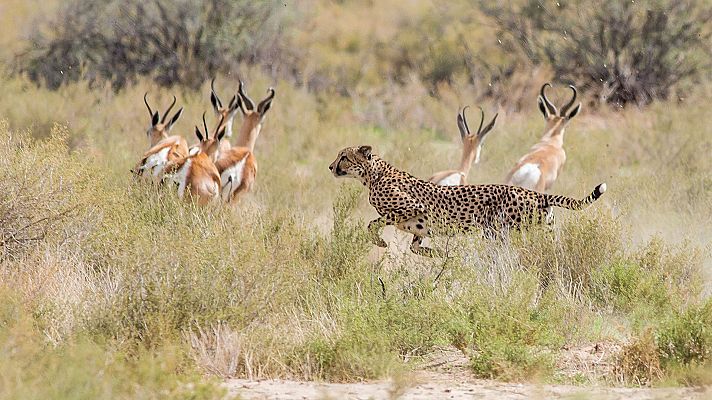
442, 386
446, 377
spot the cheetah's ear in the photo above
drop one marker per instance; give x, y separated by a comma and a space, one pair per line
365, 151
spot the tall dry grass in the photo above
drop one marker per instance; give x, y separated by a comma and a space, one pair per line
287, 284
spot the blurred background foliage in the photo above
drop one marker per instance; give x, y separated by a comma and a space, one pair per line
617, 52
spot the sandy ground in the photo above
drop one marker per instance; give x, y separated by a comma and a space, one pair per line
428, 385
446, 376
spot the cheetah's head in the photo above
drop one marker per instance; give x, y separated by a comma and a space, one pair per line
352, 162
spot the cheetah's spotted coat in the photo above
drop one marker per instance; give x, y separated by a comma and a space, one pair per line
423, 208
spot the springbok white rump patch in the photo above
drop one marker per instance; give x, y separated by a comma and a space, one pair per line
527, 176
451, 180
181, 177
156, 162
231, 179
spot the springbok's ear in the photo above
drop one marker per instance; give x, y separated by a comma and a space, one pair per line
488, 128
266, 108
247, 102
265, 104
234, 103
155, 119
198, 134
574, 112
174, 119
462, 124
542, 107
365, 151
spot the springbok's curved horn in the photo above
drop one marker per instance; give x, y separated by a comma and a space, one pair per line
482, 119
214, 93
462, 123
168, 110
145, 100
570, 103
220, 124
205, 125
547, 103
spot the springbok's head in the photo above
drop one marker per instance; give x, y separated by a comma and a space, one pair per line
207, 145
225, 113
254, 116
160, 128
472, 142
557, 118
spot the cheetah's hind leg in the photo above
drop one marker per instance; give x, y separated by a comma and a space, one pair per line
416, 248
418, 226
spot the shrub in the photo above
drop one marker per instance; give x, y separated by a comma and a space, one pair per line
626, 286
36, 193
650, 284
31, 368
679, 350
570, 255
186, 42
686, 337
621, 51
511, 338
639, 362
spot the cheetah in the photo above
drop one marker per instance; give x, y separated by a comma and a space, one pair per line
423, 208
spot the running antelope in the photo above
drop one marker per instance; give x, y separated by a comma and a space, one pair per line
237, 166
163, 148
197, 173
539, 168
226, 114
471, 148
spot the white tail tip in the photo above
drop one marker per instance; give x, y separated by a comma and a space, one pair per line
602, 188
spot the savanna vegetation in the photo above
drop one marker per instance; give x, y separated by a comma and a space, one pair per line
110, 288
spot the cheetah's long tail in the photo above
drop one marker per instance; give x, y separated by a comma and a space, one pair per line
573, 204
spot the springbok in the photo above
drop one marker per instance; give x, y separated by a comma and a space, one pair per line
471, 148
226, 114
163, 148
197, 173
237, 166
539, 168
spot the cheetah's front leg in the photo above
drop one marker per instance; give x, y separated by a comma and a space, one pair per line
375, 227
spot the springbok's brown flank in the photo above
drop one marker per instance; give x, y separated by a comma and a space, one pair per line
239, 169
238, 166
422, 208
163, 148
539, 168
197, 173
471, 148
